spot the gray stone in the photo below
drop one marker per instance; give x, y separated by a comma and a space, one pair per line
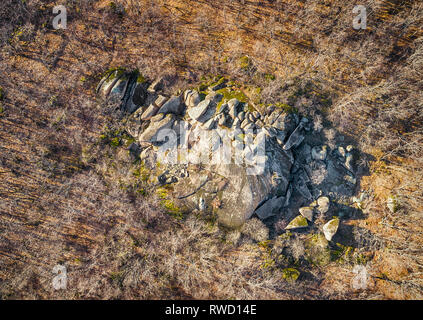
330, 228
150, 112
241, 116
236, 123
323, 204
244, 123
233, 103
349, 162
232, 112
198, 111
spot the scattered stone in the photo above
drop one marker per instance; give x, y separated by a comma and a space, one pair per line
232, 112
233, 103
210, 124
173, 105
244, 123
251, 117
223, 108
153, 132
297, 223
350, 148
222, 120
237, 123
319, 153
270, 207
259, 123
323, 204
156, 86
330, 228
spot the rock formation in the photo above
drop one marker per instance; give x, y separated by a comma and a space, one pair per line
216, 153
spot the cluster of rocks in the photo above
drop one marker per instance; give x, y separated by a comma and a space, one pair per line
294, 169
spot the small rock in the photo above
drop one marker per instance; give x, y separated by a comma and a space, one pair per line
209, 124
259, 123
297, 223
323, 204
233, 112
349, 148
307, 212
330, 228
160, 101
251, 117
223, 108
350, 179
341, 152
201, 204
222, 120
